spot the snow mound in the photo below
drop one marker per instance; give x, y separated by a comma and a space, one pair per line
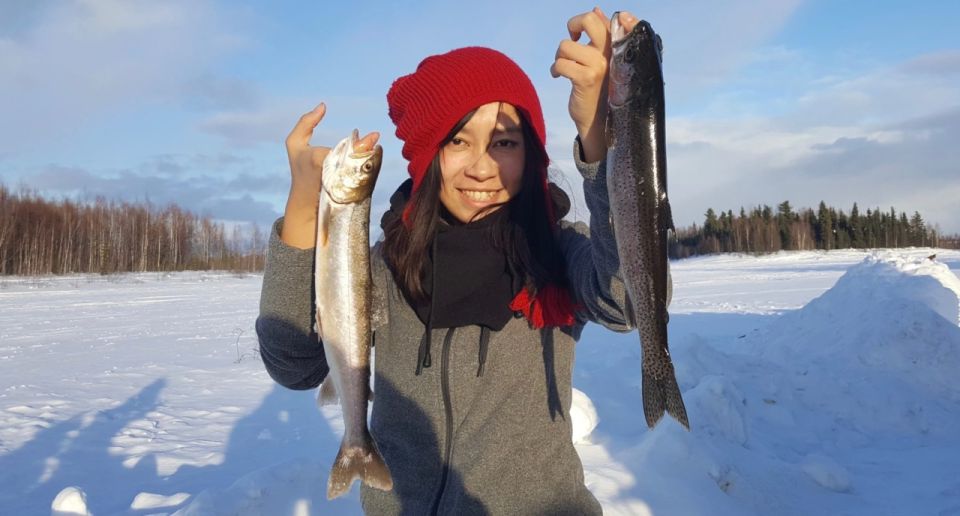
889, 313
719, 408
152, 501
826, 472
583, 416
297, 487
920, 280
72, 501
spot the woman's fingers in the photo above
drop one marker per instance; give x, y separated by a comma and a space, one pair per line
300, 135
590, 63
595, 24
627, 20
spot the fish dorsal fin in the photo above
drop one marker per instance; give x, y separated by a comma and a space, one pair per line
629, 312
666, 215
319, 327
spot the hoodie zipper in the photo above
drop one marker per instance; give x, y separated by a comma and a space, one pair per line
448, 409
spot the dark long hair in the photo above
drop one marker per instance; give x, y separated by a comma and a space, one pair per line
526, 234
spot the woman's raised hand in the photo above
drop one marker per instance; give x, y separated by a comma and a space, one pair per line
586, 67
306, 169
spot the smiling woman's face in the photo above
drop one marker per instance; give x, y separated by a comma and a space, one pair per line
482, 166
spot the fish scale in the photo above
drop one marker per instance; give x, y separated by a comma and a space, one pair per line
640, 209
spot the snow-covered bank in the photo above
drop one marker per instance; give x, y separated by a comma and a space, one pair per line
816, 383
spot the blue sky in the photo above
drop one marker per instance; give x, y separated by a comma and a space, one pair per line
189, 101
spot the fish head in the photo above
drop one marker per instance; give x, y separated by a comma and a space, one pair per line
349, 176
635, 55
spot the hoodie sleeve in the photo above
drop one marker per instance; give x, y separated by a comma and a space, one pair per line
591, 253
291, 351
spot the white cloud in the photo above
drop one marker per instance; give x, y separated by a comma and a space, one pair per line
84, 59
882, 138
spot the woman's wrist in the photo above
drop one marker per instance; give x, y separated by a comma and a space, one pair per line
593, 145
299, 225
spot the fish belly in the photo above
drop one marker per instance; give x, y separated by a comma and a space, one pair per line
343, 297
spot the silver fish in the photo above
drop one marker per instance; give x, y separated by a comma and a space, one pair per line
343, 295
640, 210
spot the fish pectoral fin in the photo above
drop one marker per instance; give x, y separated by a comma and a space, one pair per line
669, 288
609, 133
328, 393
323, 225
666, 216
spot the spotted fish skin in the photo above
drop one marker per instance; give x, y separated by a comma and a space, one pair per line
343, 289
640, 209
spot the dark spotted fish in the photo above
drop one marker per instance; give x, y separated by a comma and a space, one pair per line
640, 210
344, 294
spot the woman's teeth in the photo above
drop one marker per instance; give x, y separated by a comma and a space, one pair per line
480, 196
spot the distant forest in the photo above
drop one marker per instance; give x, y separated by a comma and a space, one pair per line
39, 236
763, 230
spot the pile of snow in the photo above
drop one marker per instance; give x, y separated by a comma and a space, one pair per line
890, 315
583, 416
825, 409
72, 501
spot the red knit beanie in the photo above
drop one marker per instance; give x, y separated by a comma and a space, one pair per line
425, 106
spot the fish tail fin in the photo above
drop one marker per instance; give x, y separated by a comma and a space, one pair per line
662, 395
353, 462
328, 393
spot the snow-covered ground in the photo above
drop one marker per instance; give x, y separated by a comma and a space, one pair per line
816, 383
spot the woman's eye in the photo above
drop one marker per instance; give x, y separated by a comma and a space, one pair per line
506, 144
457, 141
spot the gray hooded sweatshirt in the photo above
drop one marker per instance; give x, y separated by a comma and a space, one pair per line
457, 442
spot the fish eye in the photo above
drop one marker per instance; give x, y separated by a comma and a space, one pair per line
367, 166
629, 53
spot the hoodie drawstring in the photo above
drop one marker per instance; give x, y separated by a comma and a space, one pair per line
484, 342
424, 358
423, 355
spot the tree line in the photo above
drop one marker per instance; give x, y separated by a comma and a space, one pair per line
763, 230
39, 236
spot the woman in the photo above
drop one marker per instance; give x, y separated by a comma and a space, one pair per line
485, 290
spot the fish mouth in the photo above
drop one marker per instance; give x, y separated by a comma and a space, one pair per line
619, 34
354, 136
629, 53
617, 31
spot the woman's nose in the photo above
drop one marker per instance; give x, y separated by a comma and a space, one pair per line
484, 167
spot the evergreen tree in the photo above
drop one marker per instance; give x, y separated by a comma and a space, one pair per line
784, 218
711, 227
843, 230
825, 237
918, 229
856, 230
